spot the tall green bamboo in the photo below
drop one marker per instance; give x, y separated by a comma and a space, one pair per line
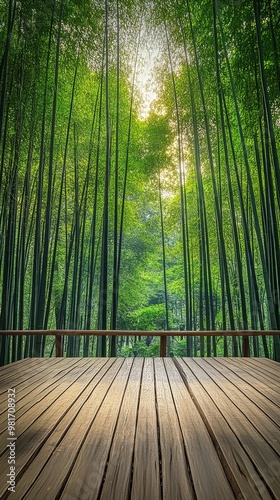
163, 254
182, 188
37, 237
271, 308
104, 260
113, 340
231, 196
5, 60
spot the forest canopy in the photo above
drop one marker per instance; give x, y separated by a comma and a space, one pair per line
139, 173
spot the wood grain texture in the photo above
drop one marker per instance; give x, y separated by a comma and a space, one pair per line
65, 453
204, 463
90, 465
261, 454
146, 466
118, 475
175, 476
143, 429
262, 395
246, 402
62, 445
240, 471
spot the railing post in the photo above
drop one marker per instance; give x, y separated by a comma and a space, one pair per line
58, 346
163, 346
245, 347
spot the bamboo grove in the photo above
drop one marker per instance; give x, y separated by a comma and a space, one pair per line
112, 217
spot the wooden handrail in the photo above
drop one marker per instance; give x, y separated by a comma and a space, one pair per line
143, 333
146, 333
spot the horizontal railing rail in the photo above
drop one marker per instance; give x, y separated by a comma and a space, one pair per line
163, 334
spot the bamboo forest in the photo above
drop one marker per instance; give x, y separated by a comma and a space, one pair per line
139, 175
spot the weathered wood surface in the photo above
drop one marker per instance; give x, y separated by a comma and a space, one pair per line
143, 429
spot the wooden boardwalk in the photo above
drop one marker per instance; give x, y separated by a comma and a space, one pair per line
143, 429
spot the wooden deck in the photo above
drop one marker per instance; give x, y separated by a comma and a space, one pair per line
145, 429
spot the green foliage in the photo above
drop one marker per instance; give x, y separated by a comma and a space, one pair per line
211, 137
148, 318
141, 349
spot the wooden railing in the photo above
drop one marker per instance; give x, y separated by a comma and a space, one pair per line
245, 334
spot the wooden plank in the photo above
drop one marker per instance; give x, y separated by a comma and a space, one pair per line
146, 467
267, 393
272, 376
7, 370
239, 469
38, 388
259, 451
175, 476
87, 475
208, 476
59, 434
271, 370
244, 398
20, 362
41, 417
259, 374
266, 365
13, 376
39, 369
35, 378
144, 333
269, 363
69, 432
116, 484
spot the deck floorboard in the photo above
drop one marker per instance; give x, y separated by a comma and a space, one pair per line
117, 480
38, 387
222, 426
62, 445
240, 420
143, 429
175, 477
204, 463
265, 391
146, 462
249, 403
